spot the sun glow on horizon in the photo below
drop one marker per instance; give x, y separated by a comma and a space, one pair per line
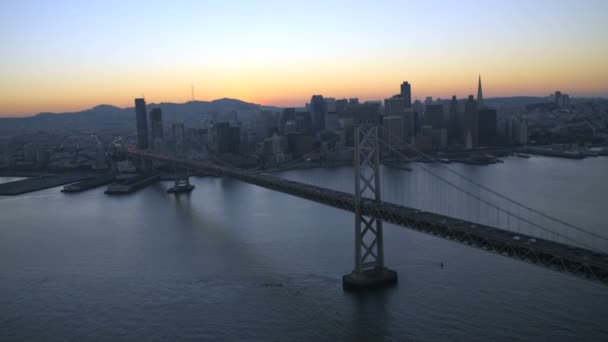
69, 56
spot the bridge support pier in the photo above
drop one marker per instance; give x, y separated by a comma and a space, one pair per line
182, 184
369, 271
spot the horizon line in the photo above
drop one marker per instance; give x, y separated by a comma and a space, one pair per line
30, 115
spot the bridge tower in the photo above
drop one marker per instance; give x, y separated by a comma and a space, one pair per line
182, 180
369, 268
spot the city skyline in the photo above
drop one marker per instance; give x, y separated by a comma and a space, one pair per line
65, 56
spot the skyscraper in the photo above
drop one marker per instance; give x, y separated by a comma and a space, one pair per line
434, 115
142, 124
454, 131
487, 127
394, 108
156, 125
318, 109
393, 130
406, 94
288, 114
471, 122
479, 94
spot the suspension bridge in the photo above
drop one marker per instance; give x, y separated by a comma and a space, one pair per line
507, 227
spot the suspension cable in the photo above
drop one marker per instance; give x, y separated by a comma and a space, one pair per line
583, 230
486, 202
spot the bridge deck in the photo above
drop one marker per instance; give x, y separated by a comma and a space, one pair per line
551, 254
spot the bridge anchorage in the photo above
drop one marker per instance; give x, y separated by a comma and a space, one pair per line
369, 271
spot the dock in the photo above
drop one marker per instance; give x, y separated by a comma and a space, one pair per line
88, 184
132, 184
553, 153
24, 186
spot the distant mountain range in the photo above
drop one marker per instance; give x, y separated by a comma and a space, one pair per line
110, 117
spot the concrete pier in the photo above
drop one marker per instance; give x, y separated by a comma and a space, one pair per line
39, 183
370, 279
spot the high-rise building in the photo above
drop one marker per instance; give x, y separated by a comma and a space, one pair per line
331, 121
395, 106
342, 108
471, 122
331, 104
479, 94
318, 109
561, 99
288, 114
487, 127
156, 125
393, 130
558, 97
224, 138
454, 131
433, 115
406, 94
142, 124
303, 123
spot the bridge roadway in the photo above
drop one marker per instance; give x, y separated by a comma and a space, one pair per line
557, 256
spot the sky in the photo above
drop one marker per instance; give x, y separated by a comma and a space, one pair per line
61, 55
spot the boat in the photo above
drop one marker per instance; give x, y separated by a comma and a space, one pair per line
522, 155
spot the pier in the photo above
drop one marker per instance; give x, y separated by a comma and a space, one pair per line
41, 182
132, 184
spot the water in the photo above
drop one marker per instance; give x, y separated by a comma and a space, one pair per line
238, 262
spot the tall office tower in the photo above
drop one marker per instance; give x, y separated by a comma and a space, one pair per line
428, 100
288, 114
303, 122
331, 104
406, 94
418, 107
454, 131
395, 107
178, 132
318, 109
566, 100
342, 108
471, 121
487, 127
558, 97
393, 131
433, 116
479, 94
156, 125
142, 124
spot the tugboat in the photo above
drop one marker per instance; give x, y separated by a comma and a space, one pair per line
182, 185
